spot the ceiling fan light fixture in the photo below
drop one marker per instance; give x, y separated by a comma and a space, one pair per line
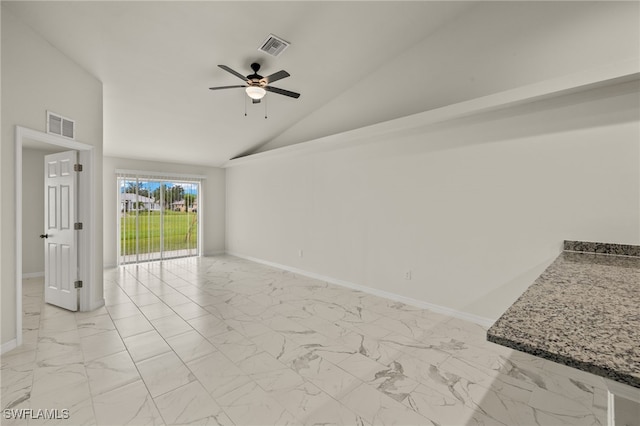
255, 92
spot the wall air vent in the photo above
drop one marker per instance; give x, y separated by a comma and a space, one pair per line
274, 45
61, 126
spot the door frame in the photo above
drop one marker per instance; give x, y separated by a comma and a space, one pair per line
86, 213
163, 177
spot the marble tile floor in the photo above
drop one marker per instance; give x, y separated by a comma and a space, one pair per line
224, 341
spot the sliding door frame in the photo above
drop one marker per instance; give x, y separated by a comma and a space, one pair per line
140, 174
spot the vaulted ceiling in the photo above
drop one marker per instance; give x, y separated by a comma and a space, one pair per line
355, 63
156, 61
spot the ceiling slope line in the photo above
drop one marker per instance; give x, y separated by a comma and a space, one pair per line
462, 11
618, 72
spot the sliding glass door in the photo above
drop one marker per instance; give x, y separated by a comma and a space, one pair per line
158, 218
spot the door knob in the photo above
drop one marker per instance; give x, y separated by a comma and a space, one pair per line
44, 235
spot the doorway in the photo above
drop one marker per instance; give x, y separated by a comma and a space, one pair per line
29, 139
158, 218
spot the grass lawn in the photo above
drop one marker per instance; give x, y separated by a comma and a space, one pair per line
180, 231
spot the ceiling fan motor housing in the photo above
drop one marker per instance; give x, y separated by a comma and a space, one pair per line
256, 79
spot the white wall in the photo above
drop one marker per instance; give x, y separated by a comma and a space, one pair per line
213, 203
476, 208
36, 77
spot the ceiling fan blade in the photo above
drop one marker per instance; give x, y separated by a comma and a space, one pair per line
225, 87
282, 92
236, 73
277, 76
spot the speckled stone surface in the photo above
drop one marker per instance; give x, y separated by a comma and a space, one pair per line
583, 311
602, 248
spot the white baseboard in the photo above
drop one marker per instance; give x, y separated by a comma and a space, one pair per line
485, 322
8, 346
33, 275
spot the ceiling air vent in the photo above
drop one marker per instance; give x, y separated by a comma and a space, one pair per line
61, 126
273, 45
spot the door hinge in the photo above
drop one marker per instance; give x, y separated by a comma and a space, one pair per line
77, 284
77, 167
77, 226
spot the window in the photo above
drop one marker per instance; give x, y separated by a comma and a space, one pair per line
158, 216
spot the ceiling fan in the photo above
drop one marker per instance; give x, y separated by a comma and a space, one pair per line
256, 85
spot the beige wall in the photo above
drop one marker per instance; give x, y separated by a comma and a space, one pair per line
212, 207
36, 77
476, 208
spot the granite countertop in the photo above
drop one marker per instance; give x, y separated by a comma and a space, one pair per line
583, 311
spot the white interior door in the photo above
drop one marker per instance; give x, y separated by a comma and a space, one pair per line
60, 240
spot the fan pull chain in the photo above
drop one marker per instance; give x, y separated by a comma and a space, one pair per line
245, 105
265, 107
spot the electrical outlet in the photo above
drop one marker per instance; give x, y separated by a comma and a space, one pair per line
407, 275
300, 253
